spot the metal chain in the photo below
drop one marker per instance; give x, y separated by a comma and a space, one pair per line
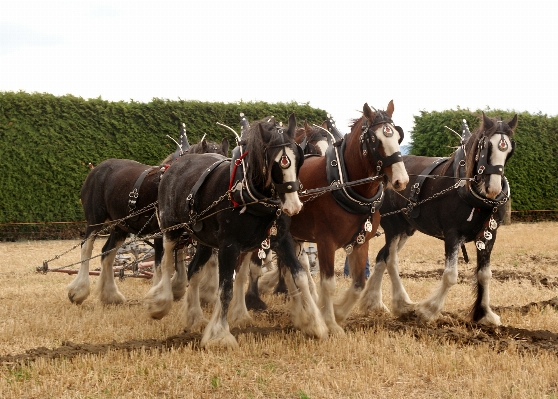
433, 196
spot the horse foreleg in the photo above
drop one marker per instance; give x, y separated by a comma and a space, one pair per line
238, 314
192, 313
106, 286
430, 308
357, 264
482, 313
217, 332
159, 298
79, 288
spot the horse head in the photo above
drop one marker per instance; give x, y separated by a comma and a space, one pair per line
313, 140
489, 149
205, 146
274, 160
380, 139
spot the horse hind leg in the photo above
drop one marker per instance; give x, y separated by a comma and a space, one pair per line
106, 287
79, 288
305, 262
238, 313
252, 297
430, 308
343, 305
159, 298
179, 280
217, 331
305, 313
481, 312
192, 313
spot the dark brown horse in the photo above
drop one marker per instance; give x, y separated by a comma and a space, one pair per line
231, 206
465, 202
348, 217
123, 189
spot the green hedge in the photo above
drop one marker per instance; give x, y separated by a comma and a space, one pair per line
532, 170
46, 143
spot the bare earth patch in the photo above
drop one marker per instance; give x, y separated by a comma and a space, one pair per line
50, 347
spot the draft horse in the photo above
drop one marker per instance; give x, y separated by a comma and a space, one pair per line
235, 206
348, 216
464, 203
117, 189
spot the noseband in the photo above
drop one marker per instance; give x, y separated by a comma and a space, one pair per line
369, 142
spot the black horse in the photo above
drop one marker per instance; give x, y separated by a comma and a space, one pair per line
465, 202
226, 204
123, 189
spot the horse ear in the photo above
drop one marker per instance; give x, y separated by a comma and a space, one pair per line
263, 134
307, 128
486, 121
324, 125
292, 125
204, 146
367, 112
513, 123
225, 146
390, 108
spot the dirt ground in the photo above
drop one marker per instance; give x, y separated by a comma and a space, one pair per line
50, 347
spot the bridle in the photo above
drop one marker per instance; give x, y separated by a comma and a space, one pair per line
369, 142
285, 163
484, 148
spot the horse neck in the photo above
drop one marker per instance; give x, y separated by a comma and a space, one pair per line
359, 166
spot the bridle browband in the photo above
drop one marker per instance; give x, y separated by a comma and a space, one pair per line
369, 142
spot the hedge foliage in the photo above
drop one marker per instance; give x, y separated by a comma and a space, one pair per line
531, 171
46, 143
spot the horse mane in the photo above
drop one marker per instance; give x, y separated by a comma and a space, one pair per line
257, 148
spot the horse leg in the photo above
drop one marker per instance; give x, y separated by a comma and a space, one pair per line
304, 311
79, 288
106, 286
327, 287
281, 287
252, 297
305, 262
431, 307
357, 263
482, 313
159, 298
217, 332
209, 282
179, 280
371, 300
238, 313
158, 246
269, 279
192, 313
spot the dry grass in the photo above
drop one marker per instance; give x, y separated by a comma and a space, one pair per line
375, 359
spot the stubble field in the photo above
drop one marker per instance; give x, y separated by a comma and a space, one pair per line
52, 348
